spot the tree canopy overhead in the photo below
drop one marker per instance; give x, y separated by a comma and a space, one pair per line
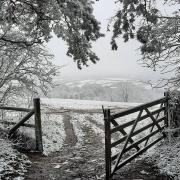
28, 22
31, 23
157, 31
25, 28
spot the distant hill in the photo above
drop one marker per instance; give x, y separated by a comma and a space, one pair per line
107, 89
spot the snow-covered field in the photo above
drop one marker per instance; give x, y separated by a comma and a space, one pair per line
105, 89
84, 104
55, 116
103, 82
53, 120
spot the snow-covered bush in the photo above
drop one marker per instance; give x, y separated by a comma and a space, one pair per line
12, 164
167, 157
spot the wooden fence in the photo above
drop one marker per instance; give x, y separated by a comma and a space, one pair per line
36, 111
158, 117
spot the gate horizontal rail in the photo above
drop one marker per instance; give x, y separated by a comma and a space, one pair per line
36, 111
131, 140
15, 109
144, 117
138, 108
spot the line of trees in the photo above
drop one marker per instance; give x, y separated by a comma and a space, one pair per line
121, 92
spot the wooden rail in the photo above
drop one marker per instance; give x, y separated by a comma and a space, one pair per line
20, 123
131, 140
15, 109
36, 111
14, 123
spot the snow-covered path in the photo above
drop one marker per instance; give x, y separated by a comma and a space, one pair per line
81, 156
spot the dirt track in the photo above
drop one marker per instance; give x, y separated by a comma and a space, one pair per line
85, 161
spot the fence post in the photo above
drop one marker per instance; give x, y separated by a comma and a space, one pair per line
166, 104
38, 128
107, 144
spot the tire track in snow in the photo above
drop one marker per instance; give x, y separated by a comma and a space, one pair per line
71, 138
93, 121
85, 130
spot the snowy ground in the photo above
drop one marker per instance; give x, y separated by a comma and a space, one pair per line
64, 122
84, 104
167, 158
77, 125
81, 116
13, 164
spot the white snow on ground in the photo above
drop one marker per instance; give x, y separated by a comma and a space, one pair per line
77, 129
53, 127
12, 163
84, 104
118, 79
53, 132
79, 120
167, 157
98, 118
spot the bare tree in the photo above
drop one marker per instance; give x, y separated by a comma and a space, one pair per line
24, 71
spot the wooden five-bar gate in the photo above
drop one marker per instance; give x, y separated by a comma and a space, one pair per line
134, 141
36, 111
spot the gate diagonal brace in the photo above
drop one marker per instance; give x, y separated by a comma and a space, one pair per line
124, 133
153, 125
155, 122
126, 143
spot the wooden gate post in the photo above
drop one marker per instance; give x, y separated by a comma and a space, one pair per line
38, 128
167, 113
107, 144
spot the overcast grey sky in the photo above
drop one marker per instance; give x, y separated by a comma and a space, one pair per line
121, 63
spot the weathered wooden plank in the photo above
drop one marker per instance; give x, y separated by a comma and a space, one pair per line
126, 142
138, 108
38, 128
107, 144
21, 122
123, 132
142, 140
153, 119
155, 122
128, 137
152, 128
122, 126
166, 112
135, 132
138, 153
15, 109
138, 142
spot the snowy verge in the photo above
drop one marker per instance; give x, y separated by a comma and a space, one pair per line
53, 132
167, 157
12, 164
